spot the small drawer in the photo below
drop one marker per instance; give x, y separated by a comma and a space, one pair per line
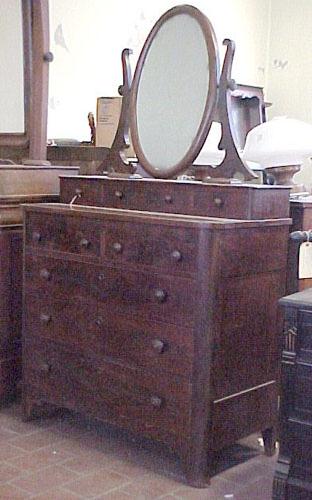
134, 399
221, 201
130, 294
80, 324
173, 250
62, 233
86, 191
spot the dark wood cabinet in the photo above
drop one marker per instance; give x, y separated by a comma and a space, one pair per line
293, 476
301, 214
149, 321
10, 308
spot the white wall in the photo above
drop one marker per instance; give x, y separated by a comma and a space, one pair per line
289, 75
11, 67
87, 37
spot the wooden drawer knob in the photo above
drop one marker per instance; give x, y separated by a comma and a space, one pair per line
176, 255
45, 274
45, 367
160, 295
119, 194
36, 236
168, 198
218, 201
156, 401
117, 247
84, 243
45, 318
158, 345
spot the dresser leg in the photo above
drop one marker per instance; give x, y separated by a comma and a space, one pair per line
36, 409
269, 437
195, 471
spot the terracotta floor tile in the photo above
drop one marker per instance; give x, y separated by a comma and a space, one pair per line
8, 472
115, 495
97, 483
36, 440
8, 451
151, 486
10, 492
88, 462
39, 459
44, 479
57, 494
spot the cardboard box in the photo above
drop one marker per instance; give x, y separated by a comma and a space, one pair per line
108, 111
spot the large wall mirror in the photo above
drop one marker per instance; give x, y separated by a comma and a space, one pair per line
24, 57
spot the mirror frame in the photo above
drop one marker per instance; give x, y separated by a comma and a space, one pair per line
211, 100
35, 15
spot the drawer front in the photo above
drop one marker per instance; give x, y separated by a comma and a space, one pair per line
119, 292
88, 191
80, 324
218, 201
149, 196
171, 249
131, 398
65, 234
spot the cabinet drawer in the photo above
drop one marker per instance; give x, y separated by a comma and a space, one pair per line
117, 292
61, 233
171, 249
132, 398
79, 323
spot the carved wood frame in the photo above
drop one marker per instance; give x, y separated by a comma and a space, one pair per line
35, 15
211, 100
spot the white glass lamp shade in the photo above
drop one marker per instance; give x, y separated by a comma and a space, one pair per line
279, 142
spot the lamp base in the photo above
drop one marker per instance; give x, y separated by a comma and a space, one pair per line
283, 175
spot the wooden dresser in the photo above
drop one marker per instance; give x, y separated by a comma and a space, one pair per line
162, 324
293, 476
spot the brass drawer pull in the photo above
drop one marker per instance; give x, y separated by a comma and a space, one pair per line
36, 236
168, 198
117, 247
176, 255
101, 277
160, 295
119, 194
156, 401
45, 274
45, 367
158, 345
45, 318
84, 243
218, 201
98, 321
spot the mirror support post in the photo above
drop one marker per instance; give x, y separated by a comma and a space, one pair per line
41, 57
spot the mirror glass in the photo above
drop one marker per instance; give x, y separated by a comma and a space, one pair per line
12, 117
174, 91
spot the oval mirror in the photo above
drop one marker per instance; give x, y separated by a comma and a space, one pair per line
174, 91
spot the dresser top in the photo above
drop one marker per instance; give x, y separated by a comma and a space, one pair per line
190, 182
298, 299
152, 217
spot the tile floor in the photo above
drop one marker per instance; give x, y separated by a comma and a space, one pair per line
70, 458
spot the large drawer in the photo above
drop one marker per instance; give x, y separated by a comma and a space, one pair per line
58, 232
132, 398
80, 323
115, 291
169, 248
